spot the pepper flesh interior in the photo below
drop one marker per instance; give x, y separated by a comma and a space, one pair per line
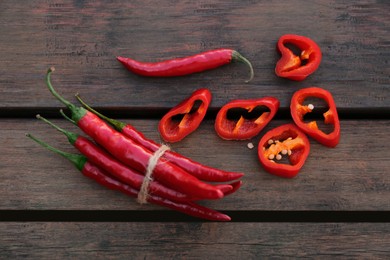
325, 126
287, 141
249, 118
183, 119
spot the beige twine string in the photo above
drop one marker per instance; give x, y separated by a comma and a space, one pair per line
144, 191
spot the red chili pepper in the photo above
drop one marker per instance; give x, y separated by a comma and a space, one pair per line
288, 141
296, 67
90, 170
134, 155
105, 161
299, 110
174, 130
196, 169
245, 128
186, 65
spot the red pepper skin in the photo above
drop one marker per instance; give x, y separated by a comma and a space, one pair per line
172, 131
90, 170
297, 148
290, 65
245, 128
137, 157
125, 174
189, 208
298, 111
185, 65
196, 169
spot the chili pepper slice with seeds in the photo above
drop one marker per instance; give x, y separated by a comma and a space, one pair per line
284, 141
244, 127
185, 118
196, 169
186, 65
299, 110
134, 155
297, 67
93, 172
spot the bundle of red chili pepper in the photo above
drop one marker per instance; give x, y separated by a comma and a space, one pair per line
121, 158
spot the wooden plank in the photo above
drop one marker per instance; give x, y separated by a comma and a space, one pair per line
194, 240
352, 176
82, 38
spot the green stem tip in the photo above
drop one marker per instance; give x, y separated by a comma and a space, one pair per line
72, 137
77, 112
236, 56
78, 160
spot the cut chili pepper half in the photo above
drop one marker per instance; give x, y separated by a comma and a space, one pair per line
299, 110
186, 117
297, 67
284, 141
244, 125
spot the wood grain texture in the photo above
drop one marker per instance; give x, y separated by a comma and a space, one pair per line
352, 176
194, 240
82, 38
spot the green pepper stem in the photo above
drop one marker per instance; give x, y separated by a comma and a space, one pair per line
72, 137
236, 56
66, 117
117, 124
78, 160
77, 112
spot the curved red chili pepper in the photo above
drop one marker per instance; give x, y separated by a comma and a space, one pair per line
299, 110
285, 140
91, 171
186, 65
174, 131
296, 67
245, 128
134, 155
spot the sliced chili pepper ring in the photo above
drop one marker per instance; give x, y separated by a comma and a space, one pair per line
283, 141
175, 130
245, 128
299, 110
297, 67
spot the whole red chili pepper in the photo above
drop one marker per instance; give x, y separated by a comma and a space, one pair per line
134, 155
186, 65
198, 170
299, 110
286, 140
91, 171
105, 161
244, 128
296, 67
172, 130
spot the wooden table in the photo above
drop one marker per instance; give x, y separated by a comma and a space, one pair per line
337, 206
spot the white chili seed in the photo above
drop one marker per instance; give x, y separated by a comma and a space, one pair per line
278, 157
284, 152
271, 156
270, 141
310, 106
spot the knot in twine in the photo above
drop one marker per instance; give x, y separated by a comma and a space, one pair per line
153, 160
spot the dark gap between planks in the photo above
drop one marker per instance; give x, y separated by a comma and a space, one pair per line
173, 216
158, 113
